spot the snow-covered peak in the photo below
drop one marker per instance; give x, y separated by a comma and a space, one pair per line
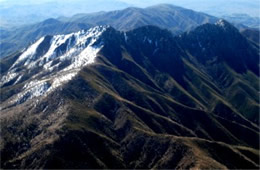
63, 46
56, 59
222, 23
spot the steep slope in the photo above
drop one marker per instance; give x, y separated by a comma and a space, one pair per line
19, 38
252, 35
60, 55
138, 99
207, 51
171, 17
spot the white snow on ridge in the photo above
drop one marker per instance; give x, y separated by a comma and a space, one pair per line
31, 90
72, 49
56, 41
150, 41
29, 53
79, 52
87, 56
7, 78
59, 80
221, 23
126, 38
18, 79
37, 88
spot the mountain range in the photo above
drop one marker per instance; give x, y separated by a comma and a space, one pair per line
139, 98
170, 17
252, 35
15, 13
173, 18
252, 22
214, 7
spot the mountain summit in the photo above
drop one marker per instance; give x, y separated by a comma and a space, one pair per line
101, 98
52, 61
176, 19
223, 42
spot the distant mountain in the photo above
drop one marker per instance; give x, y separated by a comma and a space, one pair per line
216, 8
251, 22
19, 38
166, 16
15, 13
170, 17
19, 13
206, 38
252, 35
102, 98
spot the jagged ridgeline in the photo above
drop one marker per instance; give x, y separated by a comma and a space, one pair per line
102, 98
174, 18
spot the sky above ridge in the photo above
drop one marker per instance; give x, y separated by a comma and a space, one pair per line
250, 7
18, 12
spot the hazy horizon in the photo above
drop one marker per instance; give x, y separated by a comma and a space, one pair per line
200, 5
22, 12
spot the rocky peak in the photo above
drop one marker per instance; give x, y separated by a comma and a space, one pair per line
52, 61
223, 24
220, 42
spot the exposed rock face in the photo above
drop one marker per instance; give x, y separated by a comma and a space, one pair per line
138, 99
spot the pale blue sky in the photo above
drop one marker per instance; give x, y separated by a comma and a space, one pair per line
250, 7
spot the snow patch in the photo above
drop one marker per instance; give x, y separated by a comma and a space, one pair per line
79, 53
31, 90
56, 41
28, 54
87, 56
60, 80
18, 79
7, 78
221, 23
148, 40
126, 38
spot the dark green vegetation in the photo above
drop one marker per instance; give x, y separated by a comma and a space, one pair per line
151, 101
